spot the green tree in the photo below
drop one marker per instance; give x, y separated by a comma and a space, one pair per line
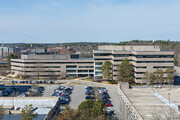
27, 113
9, 59
107, 70
85, 110
67, 114
170, 75
125, 71
97, 109
90, 110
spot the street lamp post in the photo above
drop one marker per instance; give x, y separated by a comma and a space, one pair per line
169, 96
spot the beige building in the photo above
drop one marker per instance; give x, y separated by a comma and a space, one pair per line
43, 65
143, 58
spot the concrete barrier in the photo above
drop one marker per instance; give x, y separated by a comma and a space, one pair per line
54, 111
128, 109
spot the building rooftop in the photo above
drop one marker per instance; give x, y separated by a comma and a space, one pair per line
148, 102
43, 104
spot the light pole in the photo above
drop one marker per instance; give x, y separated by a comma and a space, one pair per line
169, 96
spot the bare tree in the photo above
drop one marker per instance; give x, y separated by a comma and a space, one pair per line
146, 78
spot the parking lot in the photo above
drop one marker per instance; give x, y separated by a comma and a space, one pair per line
78, 94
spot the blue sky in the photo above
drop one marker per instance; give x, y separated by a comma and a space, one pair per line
88, 20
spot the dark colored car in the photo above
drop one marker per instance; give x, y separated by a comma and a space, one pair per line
89, 88
89, 92
67, 97
89, 97
64, 100
105, 96
65, 93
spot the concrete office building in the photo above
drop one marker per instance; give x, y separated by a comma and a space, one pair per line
5, 51
47, 65
143, 58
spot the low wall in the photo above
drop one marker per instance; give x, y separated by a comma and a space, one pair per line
129, 112
54, 111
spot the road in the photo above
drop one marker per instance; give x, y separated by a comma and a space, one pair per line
77, 96
49, 90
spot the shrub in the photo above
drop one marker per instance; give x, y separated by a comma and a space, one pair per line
112, 82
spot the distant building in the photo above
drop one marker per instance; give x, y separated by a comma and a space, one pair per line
61, 50
38, 50
143, 58
5, 51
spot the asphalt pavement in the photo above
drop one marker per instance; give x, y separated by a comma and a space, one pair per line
77, 96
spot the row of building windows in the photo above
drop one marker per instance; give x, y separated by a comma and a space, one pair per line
36, 66
162, 66
154, 61
79, 71
86, 66
52, 62
137, 56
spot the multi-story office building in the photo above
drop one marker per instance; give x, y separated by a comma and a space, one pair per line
143, 58
5, 51
47, 65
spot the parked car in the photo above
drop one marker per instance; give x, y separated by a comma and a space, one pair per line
56, 94
65, 93
70, 86
89, 92
108, 103
105, 96
64, 100
89, 97
67, 97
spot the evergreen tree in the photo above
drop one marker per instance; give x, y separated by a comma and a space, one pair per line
27, 113
107, 70
125, 71
67, 114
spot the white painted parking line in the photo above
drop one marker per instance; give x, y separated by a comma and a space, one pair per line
173, 106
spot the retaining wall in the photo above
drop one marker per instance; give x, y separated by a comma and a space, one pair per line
127, 109
54, 111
